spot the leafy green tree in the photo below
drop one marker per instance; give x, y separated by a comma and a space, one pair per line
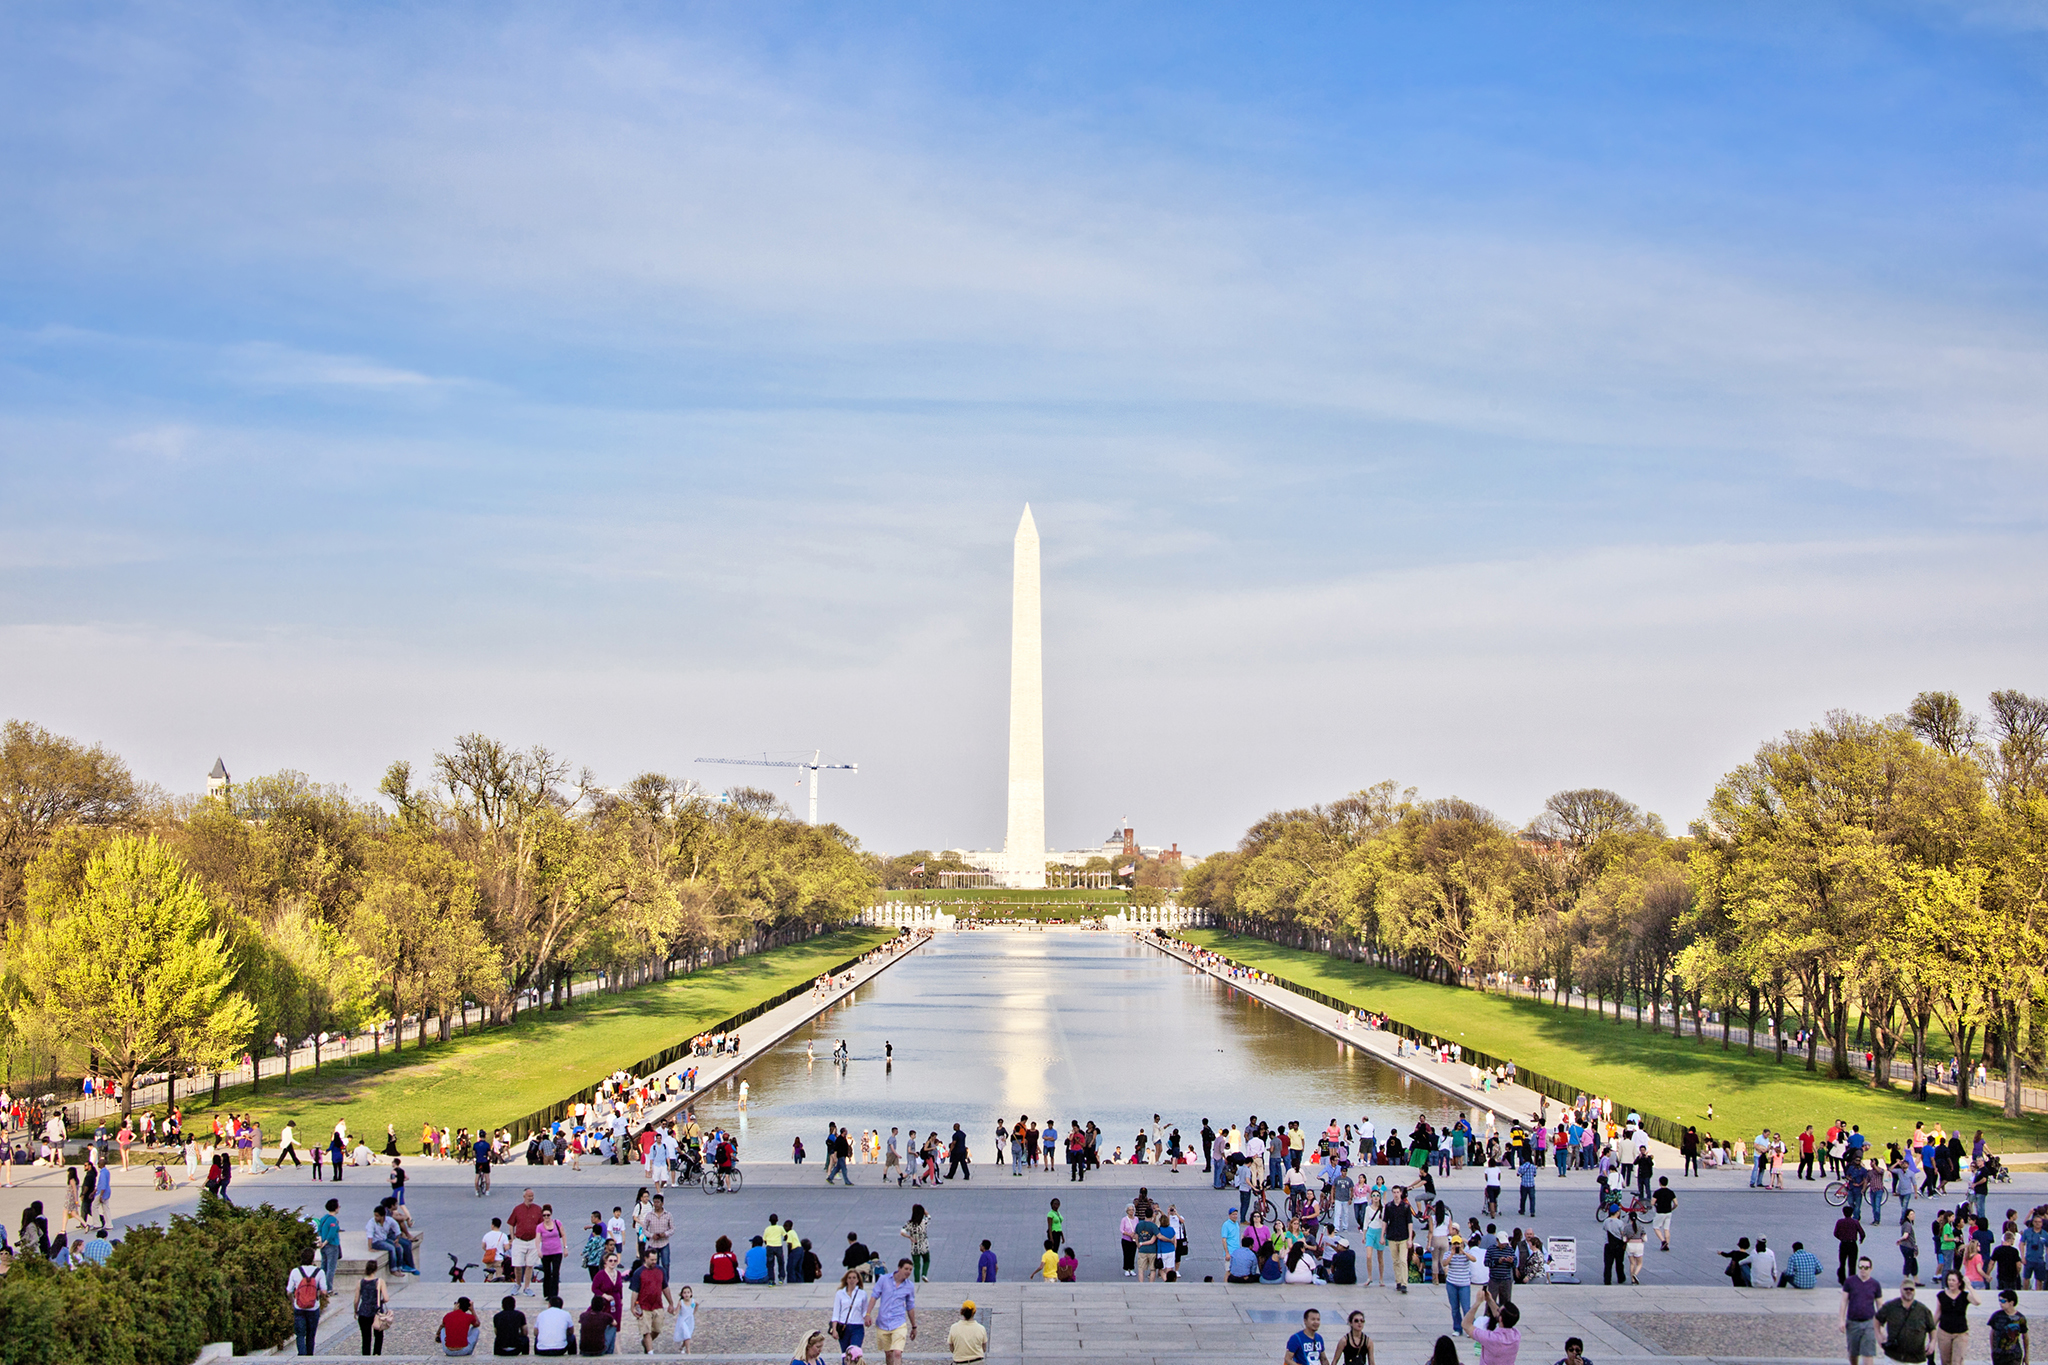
419, 923
135, 965
46, 783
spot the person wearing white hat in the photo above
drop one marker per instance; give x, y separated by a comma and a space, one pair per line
1343, 1262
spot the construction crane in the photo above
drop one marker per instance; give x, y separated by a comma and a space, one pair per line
814, 767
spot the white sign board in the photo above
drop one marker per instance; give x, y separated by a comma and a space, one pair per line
1562, 1254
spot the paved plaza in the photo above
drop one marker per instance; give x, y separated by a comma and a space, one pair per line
1683, 1308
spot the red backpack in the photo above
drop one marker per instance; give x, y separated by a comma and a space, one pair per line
306, 1294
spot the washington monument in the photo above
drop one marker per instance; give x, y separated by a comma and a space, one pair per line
1024, 844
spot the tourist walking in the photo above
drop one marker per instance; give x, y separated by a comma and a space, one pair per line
1662, 1204
1952, 1320
525, 1220
308, 1296
892, 1312
373, 1314
1306, 1347
919, 1231
652, 1303
1906, 1327
1400, 1221
1355, 1347
553, 1241
2009, 1345
1860, 1295
849, 1312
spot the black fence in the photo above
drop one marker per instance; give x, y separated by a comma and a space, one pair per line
541, 1119
1662, 1129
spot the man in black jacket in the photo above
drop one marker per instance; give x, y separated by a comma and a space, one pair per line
956, 1155
857, 1256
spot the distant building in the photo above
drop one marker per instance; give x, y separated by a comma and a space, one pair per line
217, 781
1117, 848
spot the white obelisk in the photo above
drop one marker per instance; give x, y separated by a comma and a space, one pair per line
1024, 845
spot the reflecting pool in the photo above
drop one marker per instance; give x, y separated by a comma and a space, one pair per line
1056, 1023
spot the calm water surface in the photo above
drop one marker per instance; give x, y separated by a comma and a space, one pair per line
1059, 1023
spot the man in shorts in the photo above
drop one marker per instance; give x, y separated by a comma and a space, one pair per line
480, 1152
1661, 1205
1148, 1247
892, 1312
654, 1305
525, 1220
1860, 1296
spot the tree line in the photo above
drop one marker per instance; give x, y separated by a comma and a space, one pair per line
1887, 873
148, 932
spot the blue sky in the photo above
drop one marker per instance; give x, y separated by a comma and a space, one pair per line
1496, 398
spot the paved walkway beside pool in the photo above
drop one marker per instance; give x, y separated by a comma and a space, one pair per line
1513, 1103
1166, 1323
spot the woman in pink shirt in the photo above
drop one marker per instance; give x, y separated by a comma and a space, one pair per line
552, 1237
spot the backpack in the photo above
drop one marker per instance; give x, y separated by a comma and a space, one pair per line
306, 1293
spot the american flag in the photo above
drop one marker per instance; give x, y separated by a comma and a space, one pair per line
1127, 869
918, 868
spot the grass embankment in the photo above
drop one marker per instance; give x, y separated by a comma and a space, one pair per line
1655, 1072
495, 1075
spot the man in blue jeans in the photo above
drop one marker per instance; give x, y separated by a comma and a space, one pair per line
328, 1230
308, 1296
1527, 1172
385, 1235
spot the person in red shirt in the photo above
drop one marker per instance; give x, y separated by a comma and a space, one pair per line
725, 1267
458, 1329
1806, 1153
525, 1220
653, 1305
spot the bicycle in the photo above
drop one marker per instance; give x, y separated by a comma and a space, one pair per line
1836, 1193
724, 1182
1634, 1206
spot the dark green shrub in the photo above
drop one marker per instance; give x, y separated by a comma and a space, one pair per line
50, 1316
165, 1293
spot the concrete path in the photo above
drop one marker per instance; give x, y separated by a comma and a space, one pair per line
1511, 1103
759, 1035
1165, 1324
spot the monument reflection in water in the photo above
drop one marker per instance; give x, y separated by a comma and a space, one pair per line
1062, 1024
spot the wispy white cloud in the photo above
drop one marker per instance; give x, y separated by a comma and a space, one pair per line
273, 365
616, 390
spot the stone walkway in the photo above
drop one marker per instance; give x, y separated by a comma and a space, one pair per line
1164, 1323
1513, 1103
763, 1033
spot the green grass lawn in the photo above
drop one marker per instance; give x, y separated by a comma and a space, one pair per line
495, 1075
1655, 1073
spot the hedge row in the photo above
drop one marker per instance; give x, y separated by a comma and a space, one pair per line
165, 1292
